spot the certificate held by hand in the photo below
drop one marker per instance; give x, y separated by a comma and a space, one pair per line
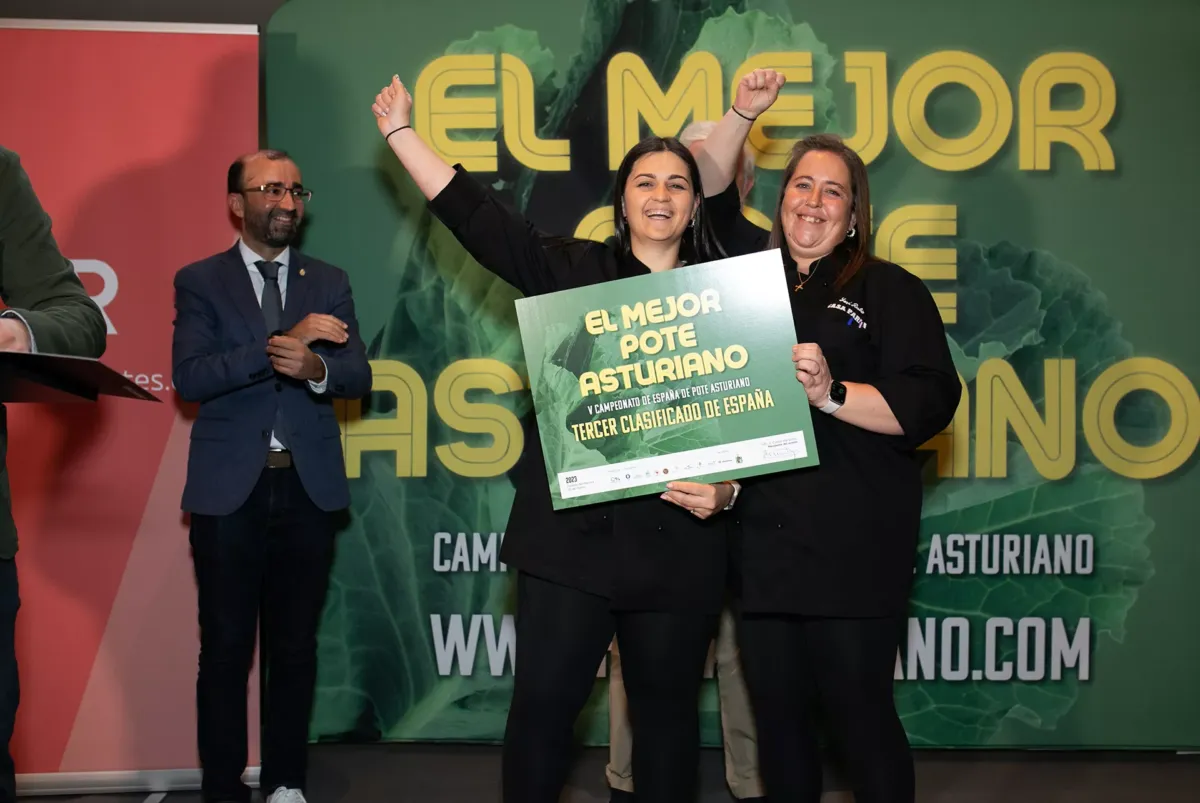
680, 375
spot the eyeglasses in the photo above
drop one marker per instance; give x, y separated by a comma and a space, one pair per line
275, 192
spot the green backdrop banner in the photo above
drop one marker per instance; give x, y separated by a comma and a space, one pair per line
1033, 162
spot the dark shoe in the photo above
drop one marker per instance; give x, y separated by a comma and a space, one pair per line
620, 796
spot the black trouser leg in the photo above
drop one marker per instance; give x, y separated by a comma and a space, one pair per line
300, 549
843, 667
781, 685
662, 660
229, 553
857, 694
562, 635
273, 553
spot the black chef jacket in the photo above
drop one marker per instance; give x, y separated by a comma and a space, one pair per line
642, 553
840, 539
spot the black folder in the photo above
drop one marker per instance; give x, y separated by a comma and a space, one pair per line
57, 378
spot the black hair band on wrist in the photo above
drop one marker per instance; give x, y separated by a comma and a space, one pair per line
739, 114
394, 130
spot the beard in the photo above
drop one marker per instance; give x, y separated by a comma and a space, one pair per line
276, 228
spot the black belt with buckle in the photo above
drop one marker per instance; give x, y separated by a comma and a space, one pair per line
279, 458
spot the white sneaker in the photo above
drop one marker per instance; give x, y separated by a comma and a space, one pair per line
282, 795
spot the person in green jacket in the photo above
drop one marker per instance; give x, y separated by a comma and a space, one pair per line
49, 312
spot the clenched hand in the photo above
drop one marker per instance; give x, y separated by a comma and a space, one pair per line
293, 358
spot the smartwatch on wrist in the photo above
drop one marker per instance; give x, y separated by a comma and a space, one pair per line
837, 397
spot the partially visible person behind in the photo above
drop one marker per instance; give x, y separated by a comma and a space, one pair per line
737, 722
826, 560
49, 312
265, 339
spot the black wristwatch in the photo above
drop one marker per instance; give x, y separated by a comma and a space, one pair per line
837, 397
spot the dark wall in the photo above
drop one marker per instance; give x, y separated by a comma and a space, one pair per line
217, 11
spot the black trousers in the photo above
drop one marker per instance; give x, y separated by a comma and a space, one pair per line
10, 687
805, 675
562, 636
271, 558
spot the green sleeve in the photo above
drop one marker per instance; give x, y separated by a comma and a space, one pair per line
36, 281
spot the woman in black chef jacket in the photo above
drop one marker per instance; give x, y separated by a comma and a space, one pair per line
651, 572
826, 554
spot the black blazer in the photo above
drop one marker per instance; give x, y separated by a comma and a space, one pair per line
642, 553
840, 539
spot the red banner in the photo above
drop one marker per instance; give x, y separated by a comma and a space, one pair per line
126, 131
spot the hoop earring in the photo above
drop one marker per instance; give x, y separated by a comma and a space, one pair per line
851, 232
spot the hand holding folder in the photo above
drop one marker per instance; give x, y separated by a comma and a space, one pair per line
57, 378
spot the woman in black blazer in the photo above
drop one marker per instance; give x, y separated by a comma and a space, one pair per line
650, 570
825, 556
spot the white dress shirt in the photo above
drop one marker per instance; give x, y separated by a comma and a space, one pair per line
257, 280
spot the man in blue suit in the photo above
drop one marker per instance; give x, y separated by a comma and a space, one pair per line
265, 339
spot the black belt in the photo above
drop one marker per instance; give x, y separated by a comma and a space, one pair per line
279, 458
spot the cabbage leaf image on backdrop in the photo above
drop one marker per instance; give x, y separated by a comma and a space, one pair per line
379, 666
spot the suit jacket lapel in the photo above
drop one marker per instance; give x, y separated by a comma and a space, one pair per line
299, 285
236, 280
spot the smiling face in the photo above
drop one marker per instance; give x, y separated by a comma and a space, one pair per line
659, 199
268, 224
817, 208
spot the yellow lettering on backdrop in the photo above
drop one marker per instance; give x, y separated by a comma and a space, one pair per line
756, 217
995, 116
520, 126
929, 264
1099, 418
1081, 128
405, 433
450, 401
1002, 401
596, 225
436, 115
867, 71
634, 95
697, 92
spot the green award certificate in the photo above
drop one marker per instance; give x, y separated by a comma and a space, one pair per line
679, 375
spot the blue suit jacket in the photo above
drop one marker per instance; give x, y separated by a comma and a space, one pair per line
219, 359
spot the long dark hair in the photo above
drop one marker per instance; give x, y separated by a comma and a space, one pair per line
860, 194
699, 243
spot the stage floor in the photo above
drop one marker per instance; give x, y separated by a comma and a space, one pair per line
456, 774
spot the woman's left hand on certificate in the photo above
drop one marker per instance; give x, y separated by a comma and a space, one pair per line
699, 498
